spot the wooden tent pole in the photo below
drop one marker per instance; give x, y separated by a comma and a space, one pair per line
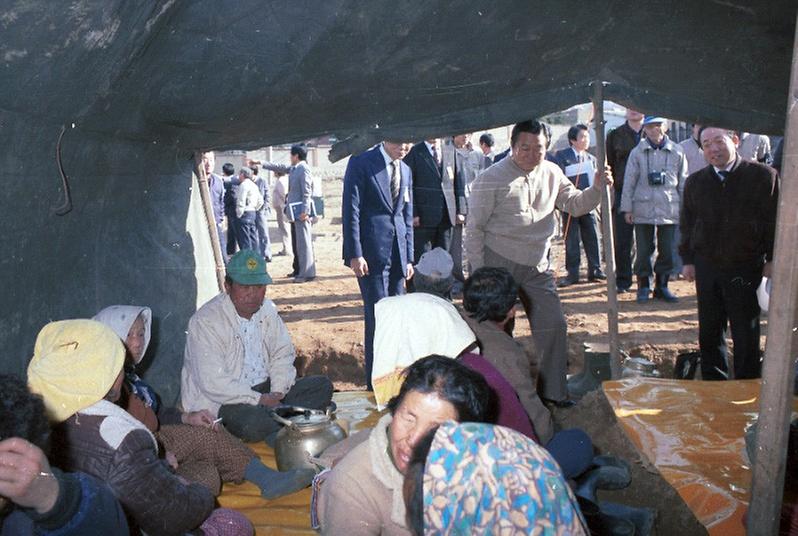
778, 370
607, 237
210, 219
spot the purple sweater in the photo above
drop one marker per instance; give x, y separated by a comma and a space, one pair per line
511, 413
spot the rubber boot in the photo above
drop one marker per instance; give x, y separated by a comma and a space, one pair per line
643, 289
661, 290
600, 523
596, 370
608, 477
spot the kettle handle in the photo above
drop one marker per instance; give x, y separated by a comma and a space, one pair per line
281, 420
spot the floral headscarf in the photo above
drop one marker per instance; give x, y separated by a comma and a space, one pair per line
485, 479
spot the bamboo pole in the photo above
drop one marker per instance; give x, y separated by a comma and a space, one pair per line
210, 219
607, 237
775, 397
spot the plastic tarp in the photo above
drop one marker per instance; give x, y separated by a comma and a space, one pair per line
693, 433
147, 83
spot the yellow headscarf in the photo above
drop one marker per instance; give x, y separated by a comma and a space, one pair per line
74, 365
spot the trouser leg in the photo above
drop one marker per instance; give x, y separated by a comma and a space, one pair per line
742, 309
711, 323
587, 228
624, 237
222, 239
295, 262
644, 236
264, 242
232, 226
573, 256
664, 264
304, 250
314, 392
456, 250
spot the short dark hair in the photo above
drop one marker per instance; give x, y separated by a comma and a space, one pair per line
254, 169
413, 486
573, 132
532, 126
229, 169
299, 151
487, 139
452, 381
22, 413
489, 294
436, 285
728, 131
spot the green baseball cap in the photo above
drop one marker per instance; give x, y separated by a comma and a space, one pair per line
248, 268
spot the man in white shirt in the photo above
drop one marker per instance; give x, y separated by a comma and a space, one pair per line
239, 359
248, 202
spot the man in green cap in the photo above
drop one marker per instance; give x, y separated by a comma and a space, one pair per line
239, 359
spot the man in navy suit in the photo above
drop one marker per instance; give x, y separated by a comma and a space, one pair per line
438, 198
378, 228
579, 166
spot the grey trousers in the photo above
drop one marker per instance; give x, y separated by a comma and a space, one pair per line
304, 249
538, 293
255, 423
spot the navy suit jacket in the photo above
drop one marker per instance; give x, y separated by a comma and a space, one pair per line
371, 222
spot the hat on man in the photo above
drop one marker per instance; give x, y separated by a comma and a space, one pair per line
247, 267
653, 119
436, 263
75, 363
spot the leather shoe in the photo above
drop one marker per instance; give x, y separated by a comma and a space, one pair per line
292, 274
597, 275
303, 279
567, 282
564, 403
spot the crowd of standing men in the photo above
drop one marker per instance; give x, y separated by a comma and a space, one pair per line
247, 200
684, 201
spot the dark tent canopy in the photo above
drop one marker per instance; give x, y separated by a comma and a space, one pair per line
147, 83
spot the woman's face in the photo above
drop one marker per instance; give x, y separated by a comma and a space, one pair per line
416, 415
135, 340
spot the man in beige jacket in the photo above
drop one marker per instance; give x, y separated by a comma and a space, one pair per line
511, 225
239, 359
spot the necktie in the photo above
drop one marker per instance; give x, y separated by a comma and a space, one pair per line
723, 174
394, 181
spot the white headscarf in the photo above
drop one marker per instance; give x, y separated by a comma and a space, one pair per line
408, 328
121, 317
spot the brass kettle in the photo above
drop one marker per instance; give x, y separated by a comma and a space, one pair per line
305, 436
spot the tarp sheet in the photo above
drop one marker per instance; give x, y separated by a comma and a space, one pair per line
147, 83
693, 432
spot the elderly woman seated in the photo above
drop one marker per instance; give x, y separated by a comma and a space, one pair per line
363, 493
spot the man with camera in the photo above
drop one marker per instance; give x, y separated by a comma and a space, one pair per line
651, 199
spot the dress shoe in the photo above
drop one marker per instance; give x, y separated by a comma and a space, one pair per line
303, 279
597, 275
281, 254
567, 282
292, 274
564, 403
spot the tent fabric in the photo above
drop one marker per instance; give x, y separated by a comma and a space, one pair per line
147, 83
